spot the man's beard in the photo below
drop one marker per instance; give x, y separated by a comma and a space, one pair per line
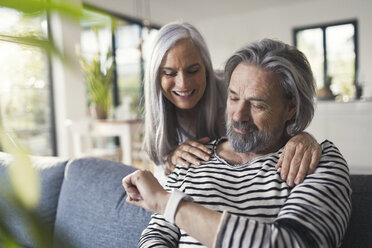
253, 140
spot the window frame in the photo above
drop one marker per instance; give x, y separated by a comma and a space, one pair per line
131, 20
323, 27
52, 117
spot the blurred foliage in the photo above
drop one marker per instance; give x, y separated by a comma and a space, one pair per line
24, 195
32, 8
37, 7
24, 178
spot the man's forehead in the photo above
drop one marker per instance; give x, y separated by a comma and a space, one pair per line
252, 80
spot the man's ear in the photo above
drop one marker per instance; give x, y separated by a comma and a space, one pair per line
291, 109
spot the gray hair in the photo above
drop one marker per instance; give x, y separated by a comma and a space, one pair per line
295, 72
162, 130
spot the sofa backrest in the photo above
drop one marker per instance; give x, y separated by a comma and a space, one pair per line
359, 230
51, 175
92, 211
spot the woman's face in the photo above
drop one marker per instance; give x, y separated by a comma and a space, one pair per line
182, 75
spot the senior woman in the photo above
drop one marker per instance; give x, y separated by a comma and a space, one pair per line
185, 105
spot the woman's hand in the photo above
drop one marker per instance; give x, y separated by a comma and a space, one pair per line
144, 190
300, 157
189, 152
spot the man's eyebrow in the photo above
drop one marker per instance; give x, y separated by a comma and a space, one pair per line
257, 99
232, 91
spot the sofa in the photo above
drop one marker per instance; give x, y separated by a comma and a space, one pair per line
83, 205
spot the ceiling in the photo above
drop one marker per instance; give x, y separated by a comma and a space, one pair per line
164, 11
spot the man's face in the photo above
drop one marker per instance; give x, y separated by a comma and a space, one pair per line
256, 110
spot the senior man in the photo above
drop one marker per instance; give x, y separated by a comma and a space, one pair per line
238, 199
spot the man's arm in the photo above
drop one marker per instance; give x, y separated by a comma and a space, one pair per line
144, 191
315, 214
159, 233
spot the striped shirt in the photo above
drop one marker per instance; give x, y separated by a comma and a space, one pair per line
259, 208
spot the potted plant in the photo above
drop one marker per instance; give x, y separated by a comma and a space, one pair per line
98, 78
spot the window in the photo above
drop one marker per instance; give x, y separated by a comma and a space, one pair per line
332, 52
129, 41
25, 90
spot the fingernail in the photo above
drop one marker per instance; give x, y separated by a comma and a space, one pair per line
290, 182
297, 181
206, 158
283, 176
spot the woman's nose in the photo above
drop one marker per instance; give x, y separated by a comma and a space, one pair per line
182, 80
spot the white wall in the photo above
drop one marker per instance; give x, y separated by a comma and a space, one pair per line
224, 34
227, 33
347, 124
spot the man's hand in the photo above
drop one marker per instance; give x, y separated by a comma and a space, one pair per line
144, 190
188, 153
300, 157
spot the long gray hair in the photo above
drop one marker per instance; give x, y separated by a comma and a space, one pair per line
296, 76
162, 130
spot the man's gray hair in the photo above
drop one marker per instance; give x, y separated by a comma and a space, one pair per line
294, 70
161, 124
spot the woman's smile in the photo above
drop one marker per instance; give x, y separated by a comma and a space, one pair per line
182, 75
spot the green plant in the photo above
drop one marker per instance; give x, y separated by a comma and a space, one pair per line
99, 83
36, 8
22, 193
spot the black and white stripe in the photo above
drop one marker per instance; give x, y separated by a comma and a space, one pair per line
259, 208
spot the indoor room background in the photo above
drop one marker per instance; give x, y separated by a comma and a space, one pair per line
345, 118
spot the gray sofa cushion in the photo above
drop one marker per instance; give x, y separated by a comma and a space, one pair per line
92, 211
359, 231
51, 174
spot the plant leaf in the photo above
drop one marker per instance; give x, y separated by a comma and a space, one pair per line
64, 7
49, 46
24, 178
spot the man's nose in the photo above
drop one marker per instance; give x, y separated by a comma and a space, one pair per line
242, 112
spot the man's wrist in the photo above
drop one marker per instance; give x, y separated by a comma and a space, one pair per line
172, 204
163, 203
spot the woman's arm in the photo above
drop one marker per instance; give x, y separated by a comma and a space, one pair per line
300, 157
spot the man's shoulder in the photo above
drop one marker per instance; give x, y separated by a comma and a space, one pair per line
214, 143
331, 156
328, 147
